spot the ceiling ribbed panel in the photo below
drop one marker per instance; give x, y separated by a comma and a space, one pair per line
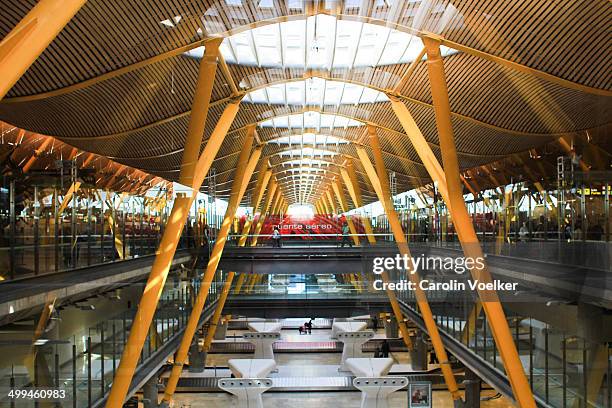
139, 115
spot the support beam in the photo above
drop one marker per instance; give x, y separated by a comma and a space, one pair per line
429, 159
214, 321
43, 321
339, 191
31, 36
28, 165
325, 205
330, 200
68, 197
199, 111
239, 283
161, 265
379, 179
350, 180
255, 201
243, 174
465, 229
271, 192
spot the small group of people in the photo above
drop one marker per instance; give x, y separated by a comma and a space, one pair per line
306, 328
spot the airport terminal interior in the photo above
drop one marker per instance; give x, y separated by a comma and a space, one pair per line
305, 203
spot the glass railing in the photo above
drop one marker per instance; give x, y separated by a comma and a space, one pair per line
83, 366
309, 286
587, 254
563, 370
29, 257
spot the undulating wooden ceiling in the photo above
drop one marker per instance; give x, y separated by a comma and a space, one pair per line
119, 81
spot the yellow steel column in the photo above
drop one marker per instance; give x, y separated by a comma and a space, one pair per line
350, 179
161, 265
260, 185
243, 175
380, 182
318, 207
199, 111
262, 217
465, 229
257, 197
276, 202
324, 204
239, 283
332, 203
20, 48
255, 201
41, 149
214, 320
337, 187
74, 187
421, 146
273, 211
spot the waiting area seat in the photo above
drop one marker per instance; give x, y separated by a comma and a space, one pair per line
266, 334
248, 390
251, 367
369, 367
339, 326
352, 345
375, 391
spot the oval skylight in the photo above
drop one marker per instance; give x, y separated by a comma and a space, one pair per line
320, 42
309, 139
311, 120
307, 152
306, 162
315, 92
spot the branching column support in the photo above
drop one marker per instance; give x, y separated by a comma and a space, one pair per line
241, 179
330, 200
465, 229
199, 112
339, 191
260, 189
262, 217
350, 179
24, 44
28, 165
379, 180
325, 205
262, 181
318, 207
163, 260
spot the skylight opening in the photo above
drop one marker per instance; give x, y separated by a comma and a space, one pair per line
315, 92
321, 42
309, 139
306, 162
311, 120
307, 151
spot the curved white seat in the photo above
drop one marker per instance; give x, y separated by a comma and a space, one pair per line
352, 345
346, 326
263, 343
248, 390
375, 391
251, 367
266, 327
369, 367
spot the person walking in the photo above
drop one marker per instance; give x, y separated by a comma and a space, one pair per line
276, 237
385, 349
345, 235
